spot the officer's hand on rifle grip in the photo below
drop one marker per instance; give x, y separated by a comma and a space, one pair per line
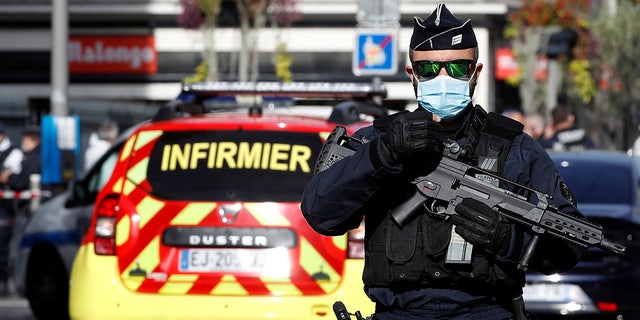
482, 226
409, 135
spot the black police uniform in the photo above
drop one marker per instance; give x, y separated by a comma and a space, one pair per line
405, 273
572, 139
31, 163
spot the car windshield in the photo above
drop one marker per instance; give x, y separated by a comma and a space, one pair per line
252, 166
610, 184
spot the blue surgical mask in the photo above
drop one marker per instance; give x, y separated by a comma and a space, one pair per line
444, 96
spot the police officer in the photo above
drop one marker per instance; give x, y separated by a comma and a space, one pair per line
10, 158
408, 272
99, 142
31, 160
10, 154
564, 135
17, 180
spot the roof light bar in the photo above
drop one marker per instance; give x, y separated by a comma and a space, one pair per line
342, 90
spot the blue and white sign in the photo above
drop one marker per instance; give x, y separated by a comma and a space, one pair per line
376, 52
60, 148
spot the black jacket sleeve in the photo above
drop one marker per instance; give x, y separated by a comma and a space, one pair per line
333, 201
529, 164
31, 164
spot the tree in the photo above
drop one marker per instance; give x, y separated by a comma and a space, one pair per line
253, 16
252, 20
530, 28
283, 14
616, 30
203, 15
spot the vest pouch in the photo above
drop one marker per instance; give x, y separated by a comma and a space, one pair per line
475, 277
437, 234
401, 247
486, 277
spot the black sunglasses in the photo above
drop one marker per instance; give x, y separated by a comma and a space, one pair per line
427, 69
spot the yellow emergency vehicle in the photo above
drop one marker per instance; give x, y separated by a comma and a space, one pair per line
201, 216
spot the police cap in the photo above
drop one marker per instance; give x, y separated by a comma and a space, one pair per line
442, 31
31, 130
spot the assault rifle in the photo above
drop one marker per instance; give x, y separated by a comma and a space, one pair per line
441, 190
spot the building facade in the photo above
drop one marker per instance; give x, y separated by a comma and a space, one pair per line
126, 57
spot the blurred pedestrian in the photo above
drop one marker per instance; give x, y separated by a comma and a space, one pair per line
565, 135
10, 158
514, 114
635, 148
534, 125
99, 142
10, 154
18, 179
31, 161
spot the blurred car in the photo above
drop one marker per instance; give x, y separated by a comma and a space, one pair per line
603, 285
201, 217
49, 241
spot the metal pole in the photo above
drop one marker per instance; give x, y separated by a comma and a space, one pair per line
59, 59
35, 187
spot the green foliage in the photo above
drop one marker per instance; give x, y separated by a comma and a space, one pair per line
582, 80
619, 47
210, 8
201, 73
564, 13
283, 64
531, 24
203, 15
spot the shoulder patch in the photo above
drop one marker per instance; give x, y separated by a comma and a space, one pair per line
566, 192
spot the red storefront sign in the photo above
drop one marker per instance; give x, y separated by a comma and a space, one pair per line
506, 65
112, 54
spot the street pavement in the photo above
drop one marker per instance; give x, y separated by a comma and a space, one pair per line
14, 307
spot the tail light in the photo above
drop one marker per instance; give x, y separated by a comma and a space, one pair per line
608, 306
355, 243
105, 230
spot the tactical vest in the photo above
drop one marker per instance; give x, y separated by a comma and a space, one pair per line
414, 255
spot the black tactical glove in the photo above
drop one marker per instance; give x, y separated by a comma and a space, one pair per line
411, 134
477, 223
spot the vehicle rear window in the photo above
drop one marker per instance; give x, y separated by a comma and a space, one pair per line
253, 166
598, 184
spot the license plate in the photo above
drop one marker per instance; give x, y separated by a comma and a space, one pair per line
554, 292
272, 262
